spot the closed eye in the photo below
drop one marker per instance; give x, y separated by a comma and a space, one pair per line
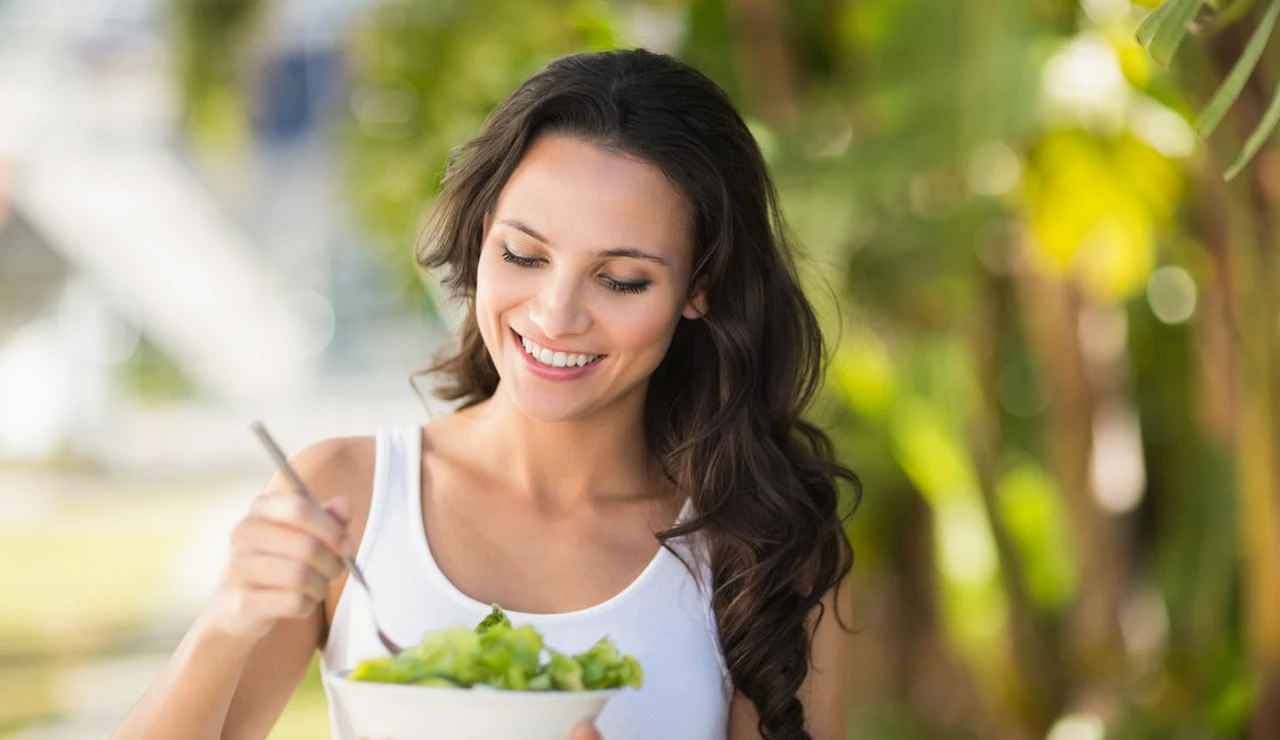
621, 286
518, 259
625, 286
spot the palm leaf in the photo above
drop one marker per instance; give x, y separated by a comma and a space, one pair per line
1227, 93
1165, 28
1147, 29
1258, 137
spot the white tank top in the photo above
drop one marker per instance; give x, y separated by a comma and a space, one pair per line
663, 618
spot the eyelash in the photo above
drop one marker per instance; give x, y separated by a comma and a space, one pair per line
617, 285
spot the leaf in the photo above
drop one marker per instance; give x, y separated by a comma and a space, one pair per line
1147, 29
495, 618
1165, 28
1230, 88
603, 667
564, 672
1258, 137
509, 657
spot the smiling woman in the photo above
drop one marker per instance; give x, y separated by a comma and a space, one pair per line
707, 341
629, 457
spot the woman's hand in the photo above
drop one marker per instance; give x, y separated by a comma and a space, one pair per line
284, 554
584, 731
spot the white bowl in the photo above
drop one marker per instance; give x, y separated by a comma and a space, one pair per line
407, 712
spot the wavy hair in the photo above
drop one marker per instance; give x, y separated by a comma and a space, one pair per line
724, 407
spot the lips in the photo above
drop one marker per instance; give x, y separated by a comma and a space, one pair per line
554, 364
555, 357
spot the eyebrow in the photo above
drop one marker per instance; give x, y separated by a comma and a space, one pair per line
616, 252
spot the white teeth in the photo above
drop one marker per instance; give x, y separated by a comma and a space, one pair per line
556, 359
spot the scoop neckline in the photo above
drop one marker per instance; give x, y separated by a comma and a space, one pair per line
418, 533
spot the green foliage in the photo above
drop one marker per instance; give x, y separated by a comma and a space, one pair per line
1031, 507
1259, 137
426, 74
1163, 31
1217, 107
210, 38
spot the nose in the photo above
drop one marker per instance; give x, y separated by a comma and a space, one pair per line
558, 310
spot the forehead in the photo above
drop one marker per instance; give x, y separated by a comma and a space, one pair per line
579, 195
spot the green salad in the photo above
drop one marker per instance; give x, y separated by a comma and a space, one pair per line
504, 657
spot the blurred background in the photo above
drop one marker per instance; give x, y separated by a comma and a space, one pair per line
1053, 324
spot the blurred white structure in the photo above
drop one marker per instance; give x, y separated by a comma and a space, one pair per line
250, 280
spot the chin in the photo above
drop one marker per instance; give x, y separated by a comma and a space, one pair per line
541, 406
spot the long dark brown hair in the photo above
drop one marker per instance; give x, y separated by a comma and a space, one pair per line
724, 407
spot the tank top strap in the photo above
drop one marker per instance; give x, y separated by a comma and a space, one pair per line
394, 480
409, 464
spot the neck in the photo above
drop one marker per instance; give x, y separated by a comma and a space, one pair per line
573, 463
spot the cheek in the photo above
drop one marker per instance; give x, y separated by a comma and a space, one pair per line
491, 303
496, 291
644, 327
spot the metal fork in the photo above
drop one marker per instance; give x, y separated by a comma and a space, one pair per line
286, 470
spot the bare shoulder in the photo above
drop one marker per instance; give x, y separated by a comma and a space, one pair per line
329, 466
338, 466
333, 467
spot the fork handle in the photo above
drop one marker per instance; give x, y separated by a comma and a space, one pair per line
355, 571
282, 463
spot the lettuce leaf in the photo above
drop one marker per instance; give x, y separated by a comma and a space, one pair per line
504, 657
495, 618
603, 667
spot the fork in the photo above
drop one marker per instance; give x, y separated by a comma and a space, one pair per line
287, 471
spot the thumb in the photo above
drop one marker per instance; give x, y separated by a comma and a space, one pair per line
585, 731
340, 509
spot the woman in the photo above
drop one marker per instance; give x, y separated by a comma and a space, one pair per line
629, 456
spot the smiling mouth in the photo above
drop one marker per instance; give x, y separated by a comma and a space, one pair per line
549, 358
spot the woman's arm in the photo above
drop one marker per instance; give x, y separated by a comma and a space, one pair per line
825, 691
221, 686
224, 684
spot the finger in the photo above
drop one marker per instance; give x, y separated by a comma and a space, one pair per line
260, 570
259, 536
340, 509
287, 507
585, 731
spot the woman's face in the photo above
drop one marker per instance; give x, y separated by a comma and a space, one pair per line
583, 276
